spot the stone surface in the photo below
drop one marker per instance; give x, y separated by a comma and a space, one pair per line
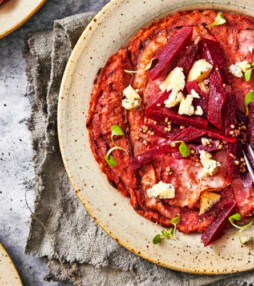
16, 166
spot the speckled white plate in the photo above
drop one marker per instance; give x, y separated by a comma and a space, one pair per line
15, 13
8, 273
110, 30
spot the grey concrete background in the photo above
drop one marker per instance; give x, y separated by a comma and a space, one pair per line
16, 165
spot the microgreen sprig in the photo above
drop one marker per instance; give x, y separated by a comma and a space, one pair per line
183, 148
170, 234
248, 99
237, 217
115, 131
146, 68
247, 74
219, 20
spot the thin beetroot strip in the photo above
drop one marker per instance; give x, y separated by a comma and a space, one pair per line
160, 100
234, 153
217, 228
250, 130
159, 130
185, 135
161, 114
230, 117
212, 52
217, 100
166, 57
187, 61
150, 155
212, 147
217, 134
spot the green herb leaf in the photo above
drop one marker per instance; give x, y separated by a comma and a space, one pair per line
237, 216
157, 239
248, 99
116, 130
184, 150
146, 68
247, 74
175, 220
110, 160
219, 20
252, 65
165, 233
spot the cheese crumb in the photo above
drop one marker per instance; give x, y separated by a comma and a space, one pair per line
200, 70
175, 81
207, 200
210, 165
174, 98
162, 191
239, 68
132, 99
199, 111
186, 106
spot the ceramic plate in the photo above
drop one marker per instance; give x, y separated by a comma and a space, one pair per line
15, 13
110, 30
8, 273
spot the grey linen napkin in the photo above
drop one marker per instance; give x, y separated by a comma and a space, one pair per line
76, 247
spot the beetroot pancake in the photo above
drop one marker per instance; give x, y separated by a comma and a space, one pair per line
167, 121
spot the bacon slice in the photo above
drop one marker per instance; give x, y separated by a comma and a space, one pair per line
166, 57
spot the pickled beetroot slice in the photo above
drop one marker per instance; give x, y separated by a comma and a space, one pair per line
217, 228
217, 100
230, 117
212, 147
185, 135
250, 132
212, 52
234, 153
203, 100
161, 114
159, 130
160, 100
150, 155
217, 134
187, 60
167, 56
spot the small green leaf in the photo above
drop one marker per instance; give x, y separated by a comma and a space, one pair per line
165, 233
184, 150
219, 20
116, 130
248, 99
157, 239
247, 74
110, 160
175, 220
146, 68
245, 239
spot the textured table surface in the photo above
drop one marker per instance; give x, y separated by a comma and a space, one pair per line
16, 166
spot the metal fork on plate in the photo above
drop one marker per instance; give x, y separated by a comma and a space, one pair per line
248, 164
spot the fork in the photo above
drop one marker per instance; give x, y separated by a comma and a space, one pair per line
248, 164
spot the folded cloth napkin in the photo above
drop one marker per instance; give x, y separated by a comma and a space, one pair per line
76, 247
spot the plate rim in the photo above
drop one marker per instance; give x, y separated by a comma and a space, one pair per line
23, 21
70, 67
12, 264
